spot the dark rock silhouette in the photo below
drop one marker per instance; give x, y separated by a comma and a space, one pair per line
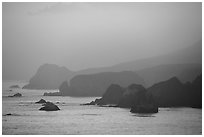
41, 101
91, 103
194, 93
49, 106
112, 95
96, 102
16, 95
96, 84
48, 76
14, 86
170, 93
11, 114
133, 95
173, 93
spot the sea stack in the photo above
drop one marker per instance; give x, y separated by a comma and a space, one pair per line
49, 106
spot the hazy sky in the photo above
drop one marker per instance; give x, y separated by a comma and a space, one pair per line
85, 35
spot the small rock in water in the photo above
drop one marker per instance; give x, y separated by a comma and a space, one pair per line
49, 106
41, 101
91, 103
148, 108
16, 95
10, 114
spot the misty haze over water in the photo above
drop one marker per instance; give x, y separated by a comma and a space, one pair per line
101, 68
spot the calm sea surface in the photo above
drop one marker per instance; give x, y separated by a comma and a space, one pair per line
76, 119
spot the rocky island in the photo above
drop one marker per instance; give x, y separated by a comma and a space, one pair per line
49, 106
16, 95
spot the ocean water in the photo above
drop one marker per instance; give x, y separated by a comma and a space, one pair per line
76, 119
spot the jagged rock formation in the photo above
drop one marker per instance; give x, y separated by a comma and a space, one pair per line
134, 97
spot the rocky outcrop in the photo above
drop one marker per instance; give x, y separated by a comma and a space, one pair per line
11, 114
173, 93
48, 76
64, 90
112, 95
49, 106
41, 101
170, 93
194, 93
134, 94
134, 97
16, 95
